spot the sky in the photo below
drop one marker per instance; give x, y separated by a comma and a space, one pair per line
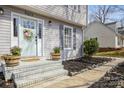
118, 15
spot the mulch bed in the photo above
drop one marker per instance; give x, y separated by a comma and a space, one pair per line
82, 64
112, 79
108, 49
9, 84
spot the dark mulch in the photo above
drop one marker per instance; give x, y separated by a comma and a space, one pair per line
80, 64
9, 84
112, 79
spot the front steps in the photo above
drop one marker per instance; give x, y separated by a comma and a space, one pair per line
30, 58
30, 75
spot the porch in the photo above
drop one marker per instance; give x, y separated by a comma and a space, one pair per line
30, 73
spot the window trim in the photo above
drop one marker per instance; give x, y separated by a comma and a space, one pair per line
65, 26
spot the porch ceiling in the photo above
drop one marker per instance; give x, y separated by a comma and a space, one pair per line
39, 11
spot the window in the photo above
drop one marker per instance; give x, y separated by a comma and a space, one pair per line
66, 5
119, 41
79, 8
75, 7
68, 37
28, 24
40, 30
15, 27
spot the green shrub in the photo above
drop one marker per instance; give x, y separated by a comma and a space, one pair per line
16, 51
56, 50
90, 46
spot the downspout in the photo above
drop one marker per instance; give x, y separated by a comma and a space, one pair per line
82, 42
83, 30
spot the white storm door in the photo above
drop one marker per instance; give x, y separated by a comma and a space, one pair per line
27, 45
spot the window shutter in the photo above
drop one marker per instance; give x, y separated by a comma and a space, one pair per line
61, 36
74, 38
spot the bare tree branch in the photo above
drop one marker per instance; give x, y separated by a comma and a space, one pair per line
104, 13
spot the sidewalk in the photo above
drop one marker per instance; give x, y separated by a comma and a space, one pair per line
85, 79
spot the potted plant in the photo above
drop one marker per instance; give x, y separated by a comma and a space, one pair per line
13, 59
56, 54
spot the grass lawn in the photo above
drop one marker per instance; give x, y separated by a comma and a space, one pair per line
116, 53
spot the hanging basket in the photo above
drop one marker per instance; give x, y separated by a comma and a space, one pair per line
28, 34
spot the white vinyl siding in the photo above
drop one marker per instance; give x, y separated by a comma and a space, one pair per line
61, 12
5, 32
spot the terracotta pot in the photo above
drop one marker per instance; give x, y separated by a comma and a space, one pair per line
55, 56
11, 60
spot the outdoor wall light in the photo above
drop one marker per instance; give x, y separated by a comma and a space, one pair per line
50, 22
1, 11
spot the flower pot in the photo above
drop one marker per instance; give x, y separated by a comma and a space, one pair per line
55, 56
11, 60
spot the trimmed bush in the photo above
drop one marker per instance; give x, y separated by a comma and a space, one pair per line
91, 46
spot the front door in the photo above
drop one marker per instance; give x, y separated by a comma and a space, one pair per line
27, 37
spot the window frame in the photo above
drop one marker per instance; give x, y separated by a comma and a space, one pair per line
69, 48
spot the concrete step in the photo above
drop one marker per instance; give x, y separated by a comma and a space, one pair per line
40, 78
50, 82
26, 67
39, 70
32, 66
30, 58
33, 73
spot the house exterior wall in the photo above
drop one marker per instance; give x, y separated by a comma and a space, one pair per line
61, 12
119, 42
112, 26
51, 34
5, 32
105, 36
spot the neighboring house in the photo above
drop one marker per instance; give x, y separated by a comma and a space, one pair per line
108, 35
51, 25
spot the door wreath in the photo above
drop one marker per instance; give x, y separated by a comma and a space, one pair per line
28, 34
